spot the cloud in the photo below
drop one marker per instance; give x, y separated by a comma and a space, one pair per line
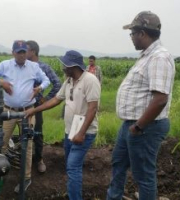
84, 24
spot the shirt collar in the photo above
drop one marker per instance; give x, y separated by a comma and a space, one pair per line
16, 65
150, 48
70, 80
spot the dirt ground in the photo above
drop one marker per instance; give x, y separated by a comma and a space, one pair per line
96, 175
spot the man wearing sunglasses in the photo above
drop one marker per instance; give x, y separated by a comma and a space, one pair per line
143, 102
81, 92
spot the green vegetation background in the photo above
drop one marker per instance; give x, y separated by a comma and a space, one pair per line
114, 70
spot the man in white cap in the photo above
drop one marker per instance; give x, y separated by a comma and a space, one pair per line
81, 92
143, 103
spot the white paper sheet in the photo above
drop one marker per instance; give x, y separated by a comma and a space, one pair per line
77, 123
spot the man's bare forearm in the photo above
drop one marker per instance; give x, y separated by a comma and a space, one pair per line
48, 104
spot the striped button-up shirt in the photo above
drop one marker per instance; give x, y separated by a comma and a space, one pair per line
54, 79
153, 71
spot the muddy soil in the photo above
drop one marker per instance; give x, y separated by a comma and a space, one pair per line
96, 175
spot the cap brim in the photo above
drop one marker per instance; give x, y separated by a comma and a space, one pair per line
68, 63
20, 49
129, 26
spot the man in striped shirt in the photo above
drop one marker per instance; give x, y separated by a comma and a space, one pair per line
33, 55
143, 103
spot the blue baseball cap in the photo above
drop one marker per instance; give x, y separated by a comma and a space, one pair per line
19, 45
73, 58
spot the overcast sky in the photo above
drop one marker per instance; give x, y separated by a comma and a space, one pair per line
94, 25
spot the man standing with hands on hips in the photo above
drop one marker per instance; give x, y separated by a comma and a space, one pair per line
19, 76
143, 103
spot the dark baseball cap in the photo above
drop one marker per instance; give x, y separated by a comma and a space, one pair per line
72, 58
19, 45
145, 19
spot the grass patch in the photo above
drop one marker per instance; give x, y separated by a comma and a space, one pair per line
109, 124
108, 101
53, 126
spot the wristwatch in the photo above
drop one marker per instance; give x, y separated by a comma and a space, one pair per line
138, 128
40, 88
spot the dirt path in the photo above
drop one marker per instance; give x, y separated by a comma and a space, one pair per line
97, 173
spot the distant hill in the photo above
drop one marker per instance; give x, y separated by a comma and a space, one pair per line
53, 50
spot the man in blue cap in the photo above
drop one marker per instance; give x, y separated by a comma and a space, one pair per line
81, 92
19, 76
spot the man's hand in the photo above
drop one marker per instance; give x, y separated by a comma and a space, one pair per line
7, 87
79, 138
42, 100
134, 131
29, 112
36, 90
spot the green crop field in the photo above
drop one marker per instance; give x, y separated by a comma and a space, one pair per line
114, 70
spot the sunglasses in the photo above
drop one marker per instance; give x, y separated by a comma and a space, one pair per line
71, 94
133, 33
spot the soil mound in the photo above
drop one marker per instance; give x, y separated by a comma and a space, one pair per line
96, 175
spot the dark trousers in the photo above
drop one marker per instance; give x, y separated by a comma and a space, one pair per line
38, 136
139, 152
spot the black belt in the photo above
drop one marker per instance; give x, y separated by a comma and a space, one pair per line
152, 122
20, 109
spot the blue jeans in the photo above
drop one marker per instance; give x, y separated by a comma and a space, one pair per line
139, 152
74, 155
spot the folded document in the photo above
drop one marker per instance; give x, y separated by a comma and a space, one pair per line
77, 123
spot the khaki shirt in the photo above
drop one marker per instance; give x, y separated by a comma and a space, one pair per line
86, 89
